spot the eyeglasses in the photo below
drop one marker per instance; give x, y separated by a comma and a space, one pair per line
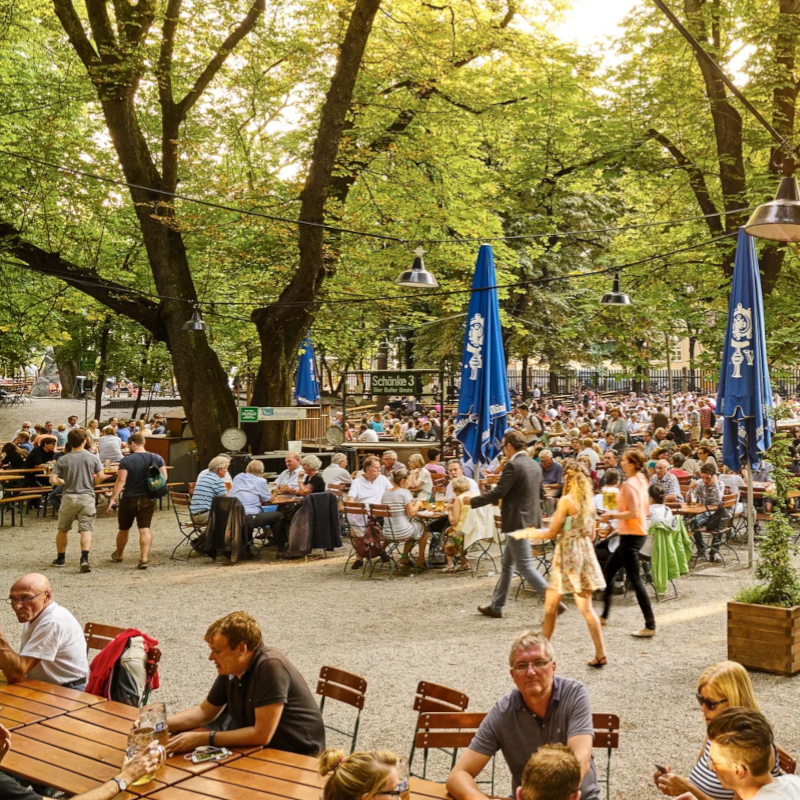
21, 600
711, 705
714, 764
523, 666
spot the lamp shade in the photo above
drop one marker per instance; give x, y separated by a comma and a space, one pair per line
417, 275
195, 323
615, 297
778, 220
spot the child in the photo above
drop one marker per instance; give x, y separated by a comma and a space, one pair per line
453, 539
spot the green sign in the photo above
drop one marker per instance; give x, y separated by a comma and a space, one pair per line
248, 414
394, 383
86, 364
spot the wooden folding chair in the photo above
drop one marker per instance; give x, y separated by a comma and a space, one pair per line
360, 512
98, 636
787, 761
448, 731
346, 687
190, 529
606, 736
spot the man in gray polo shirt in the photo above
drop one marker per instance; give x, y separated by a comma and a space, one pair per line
543, 709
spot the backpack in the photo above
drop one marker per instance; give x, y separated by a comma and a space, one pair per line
156, 482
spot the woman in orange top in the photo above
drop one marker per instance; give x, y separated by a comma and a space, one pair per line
631, 512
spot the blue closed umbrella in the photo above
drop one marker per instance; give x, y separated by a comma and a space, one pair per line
306, 385
483, 403
744, 397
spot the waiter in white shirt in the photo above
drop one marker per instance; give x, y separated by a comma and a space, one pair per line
52, 644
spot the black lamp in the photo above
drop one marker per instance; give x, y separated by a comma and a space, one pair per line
417, 275
615, 297
196, 322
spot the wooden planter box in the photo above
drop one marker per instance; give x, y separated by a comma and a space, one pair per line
765, 638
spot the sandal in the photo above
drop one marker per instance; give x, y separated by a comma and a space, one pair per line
597, 662
116, 558
141, 565
462, 568
448, 569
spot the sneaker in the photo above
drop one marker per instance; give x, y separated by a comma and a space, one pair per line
644, 633
59, 562
85, 565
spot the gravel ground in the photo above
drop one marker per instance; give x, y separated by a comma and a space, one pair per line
398, 632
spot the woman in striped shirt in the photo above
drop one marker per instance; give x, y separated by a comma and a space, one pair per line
721, 686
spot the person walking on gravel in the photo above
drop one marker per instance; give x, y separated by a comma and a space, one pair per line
136, 504
79, 471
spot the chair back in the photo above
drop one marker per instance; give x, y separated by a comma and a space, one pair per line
787, 761
98, 636
450, 729
437, 697
606, 736
356, 509
346, 687
379, 511
180, 498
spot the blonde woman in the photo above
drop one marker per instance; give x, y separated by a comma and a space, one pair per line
419, 478
359, 776
575, 567
93, 429
721, 686
397, 431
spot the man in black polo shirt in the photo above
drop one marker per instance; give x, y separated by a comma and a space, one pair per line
258, 698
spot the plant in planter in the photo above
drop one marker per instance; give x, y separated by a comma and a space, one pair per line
764, 620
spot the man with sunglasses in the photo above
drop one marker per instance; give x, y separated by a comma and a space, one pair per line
52, 644
740, 753
543, 709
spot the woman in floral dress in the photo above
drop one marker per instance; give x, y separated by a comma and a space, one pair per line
574, 568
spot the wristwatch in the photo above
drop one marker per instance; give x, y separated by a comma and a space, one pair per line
121, 782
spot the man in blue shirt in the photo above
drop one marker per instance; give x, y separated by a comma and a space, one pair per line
125, 433
207, 488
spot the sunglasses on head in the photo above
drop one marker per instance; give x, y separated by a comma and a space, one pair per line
711, 705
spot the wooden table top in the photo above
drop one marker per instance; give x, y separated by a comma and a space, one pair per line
271, 775
284, 499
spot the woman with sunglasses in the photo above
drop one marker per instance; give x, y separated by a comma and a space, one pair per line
359, 776
721, 686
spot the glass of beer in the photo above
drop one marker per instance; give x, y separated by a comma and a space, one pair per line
440, 502
402, 778
610, 498
139, 740
155, 716
424, 504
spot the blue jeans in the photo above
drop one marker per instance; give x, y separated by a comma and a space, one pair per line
516, 558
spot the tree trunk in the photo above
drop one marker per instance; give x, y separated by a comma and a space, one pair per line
67, 372
282, 325
524, 381
101, 371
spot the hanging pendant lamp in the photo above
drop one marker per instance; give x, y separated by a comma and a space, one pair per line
196, 322
615, 297
779, 220
417, 275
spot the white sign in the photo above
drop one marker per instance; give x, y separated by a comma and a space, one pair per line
272, 414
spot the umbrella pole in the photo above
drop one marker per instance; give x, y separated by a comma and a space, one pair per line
751, 517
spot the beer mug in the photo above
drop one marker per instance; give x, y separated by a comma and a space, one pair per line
610, 498
439, 502
138, 741
402, 778
155, 716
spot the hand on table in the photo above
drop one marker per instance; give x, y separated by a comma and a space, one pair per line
186, 742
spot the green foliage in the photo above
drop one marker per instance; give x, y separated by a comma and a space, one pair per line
779, 581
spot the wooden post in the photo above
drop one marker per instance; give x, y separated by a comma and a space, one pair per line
669, 375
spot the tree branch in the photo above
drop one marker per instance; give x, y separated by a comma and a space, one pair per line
110, 294
213, 67
164, 67
102, 29
696, 180
71, 23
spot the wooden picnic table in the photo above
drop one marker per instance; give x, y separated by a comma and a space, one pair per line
271, 775
284, 499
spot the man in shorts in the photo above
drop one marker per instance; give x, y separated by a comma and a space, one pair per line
79, 471
136, 504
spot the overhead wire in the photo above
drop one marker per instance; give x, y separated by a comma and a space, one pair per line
352, 231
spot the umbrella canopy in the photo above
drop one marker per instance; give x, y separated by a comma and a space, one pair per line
744, 397
483, 401
306, 385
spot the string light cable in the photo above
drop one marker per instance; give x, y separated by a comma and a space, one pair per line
352, 231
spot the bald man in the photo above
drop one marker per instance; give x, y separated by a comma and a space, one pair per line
52, 645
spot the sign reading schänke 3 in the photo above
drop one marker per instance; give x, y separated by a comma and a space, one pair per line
394, 383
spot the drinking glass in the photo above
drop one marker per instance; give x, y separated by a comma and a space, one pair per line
402, 778
155, 716
139, 740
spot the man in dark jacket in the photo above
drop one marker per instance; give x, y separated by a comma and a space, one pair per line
520, 489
